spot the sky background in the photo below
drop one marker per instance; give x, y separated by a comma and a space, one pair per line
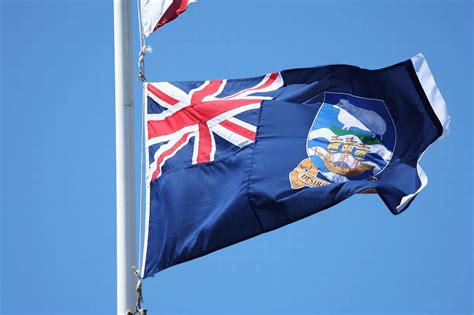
57, 162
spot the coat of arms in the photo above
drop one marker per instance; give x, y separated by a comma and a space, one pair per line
352, 138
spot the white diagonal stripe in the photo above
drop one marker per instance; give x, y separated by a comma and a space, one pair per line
216, 120
231, 136
242, 124
219, 91
257, 89
178, 134
164, 148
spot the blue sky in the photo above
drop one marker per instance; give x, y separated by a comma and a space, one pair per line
57, 162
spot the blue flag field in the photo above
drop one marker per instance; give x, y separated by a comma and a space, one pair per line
231, 159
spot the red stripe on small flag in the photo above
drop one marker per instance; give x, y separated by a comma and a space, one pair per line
175, 9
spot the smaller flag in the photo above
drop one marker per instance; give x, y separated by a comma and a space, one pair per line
156, 13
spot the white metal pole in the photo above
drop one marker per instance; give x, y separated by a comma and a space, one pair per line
125, 162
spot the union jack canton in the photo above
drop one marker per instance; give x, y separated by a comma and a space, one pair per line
176, 117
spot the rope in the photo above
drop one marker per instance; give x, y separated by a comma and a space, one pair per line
144, 49
138, 306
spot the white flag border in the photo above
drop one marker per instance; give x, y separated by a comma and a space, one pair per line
437, 102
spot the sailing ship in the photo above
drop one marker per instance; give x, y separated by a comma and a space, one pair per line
345, 156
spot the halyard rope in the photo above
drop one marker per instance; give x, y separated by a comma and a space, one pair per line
144, 49
138, 305
141, 76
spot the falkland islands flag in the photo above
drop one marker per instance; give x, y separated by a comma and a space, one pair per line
231, 159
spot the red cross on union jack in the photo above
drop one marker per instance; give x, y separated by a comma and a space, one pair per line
201, 114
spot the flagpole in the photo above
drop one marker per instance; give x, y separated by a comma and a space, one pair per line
125, 163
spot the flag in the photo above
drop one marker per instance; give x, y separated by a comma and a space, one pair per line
231, 159
156, 13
